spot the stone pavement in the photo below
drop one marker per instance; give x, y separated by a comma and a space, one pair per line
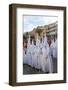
30, 70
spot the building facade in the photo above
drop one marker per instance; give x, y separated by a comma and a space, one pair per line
41, 31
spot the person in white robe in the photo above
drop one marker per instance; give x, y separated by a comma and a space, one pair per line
29, 52
37, 50
55, 49
52, 47
41, 56
29, 58
28, 44
37, 53
48, 59
33, 54
55, 57
25, 52
24, 56
43, 59
50, 63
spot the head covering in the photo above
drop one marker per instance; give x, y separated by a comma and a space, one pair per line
28, 44
37, 41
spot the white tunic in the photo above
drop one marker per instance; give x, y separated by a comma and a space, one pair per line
55, 50
52, 47
38, 57
48, 67
33, 56
43, 59
29, 55
24, 57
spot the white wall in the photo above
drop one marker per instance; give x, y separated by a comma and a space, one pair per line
4, 44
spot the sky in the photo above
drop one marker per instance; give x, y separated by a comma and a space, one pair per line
30, 22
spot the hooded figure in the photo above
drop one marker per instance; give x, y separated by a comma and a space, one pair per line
37, 50
55, 57
29, 52
33, 54
52, 47
47, 60
55, 49
24, 56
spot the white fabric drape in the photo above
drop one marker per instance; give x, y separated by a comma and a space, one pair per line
38, 55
